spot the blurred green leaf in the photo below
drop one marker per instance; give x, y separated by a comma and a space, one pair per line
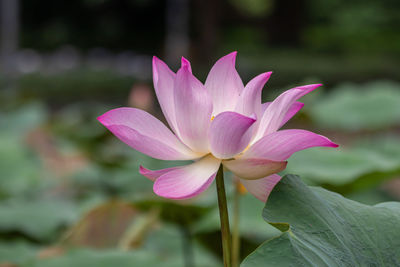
20, 169
103, 226
343, 166
71, 85
250, 225
371, 196
331, 166
100, 258
38, 219
164, 246
120, 176
352, 107
17, 252
181, 213
23, 119
321, 228
387, 146
174, 242
77, 122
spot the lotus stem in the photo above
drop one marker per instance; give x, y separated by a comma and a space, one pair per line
224, 218
235, 226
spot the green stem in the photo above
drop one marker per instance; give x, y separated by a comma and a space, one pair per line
235, 230
223, 215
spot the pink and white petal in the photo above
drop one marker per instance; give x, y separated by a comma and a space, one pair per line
230, 133
250, 99
193, 108
148, 145
153, 175
163, 79
264, 106
294, 108
275, 113
224, 84
187, 181
261, 188
281, 145
186, 63
146, 134
254, 168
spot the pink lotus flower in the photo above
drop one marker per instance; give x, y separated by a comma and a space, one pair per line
220, 121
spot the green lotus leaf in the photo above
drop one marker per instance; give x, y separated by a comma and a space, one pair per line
322, 228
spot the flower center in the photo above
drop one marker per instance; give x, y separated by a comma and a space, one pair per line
247, 147
212, 118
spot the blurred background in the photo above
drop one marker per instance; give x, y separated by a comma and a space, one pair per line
70, 193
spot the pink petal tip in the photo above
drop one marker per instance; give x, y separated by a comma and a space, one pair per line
231, 56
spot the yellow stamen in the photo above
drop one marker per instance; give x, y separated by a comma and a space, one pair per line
240, 188
247, 147
212, 118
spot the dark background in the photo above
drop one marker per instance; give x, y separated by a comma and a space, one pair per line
333, 40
